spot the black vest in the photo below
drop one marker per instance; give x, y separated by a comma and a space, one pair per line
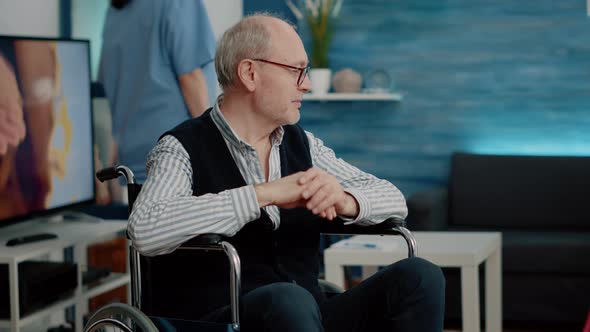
187, 283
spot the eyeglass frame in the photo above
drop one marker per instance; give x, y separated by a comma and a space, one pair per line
303, 71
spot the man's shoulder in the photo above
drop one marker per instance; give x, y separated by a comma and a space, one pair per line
191, 126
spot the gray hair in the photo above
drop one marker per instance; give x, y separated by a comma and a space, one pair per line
247, 39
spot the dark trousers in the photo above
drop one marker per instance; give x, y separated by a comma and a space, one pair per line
406, 296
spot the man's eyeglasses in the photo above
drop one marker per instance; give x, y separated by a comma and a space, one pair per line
302, 70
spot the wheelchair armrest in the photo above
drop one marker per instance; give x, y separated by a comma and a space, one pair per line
203, 239
387, 227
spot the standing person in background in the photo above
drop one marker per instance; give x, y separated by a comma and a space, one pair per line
157, 70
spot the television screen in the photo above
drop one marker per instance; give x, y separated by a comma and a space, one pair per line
46, 145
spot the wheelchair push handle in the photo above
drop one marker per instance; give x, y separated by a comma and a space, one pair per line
110, 173
107, 174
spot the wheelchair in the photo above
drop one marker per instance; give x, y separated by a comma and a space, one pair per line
124, 317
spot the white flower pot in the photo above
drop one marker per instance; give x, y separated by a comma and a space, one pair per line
320, 80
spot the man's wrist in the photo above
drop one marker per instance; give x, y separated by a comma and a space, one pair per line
263, 195
351, 207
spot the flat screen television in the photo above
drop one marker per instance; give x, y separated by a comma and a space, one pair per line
46, 134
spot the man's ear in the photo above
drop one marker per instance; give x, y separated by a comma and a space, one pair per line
247, 75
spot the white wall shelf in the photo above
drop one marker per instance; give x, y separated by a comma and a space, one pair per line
353, 97
77, 234
101, 286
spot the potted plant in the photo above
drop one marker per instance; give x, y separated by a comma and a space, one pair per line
320, 16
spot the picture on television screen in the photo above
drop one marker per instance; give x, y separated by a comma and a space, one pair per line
46, 147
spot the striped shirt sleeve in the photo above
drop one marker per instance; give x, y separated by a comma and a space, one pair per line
378, 199
166, 214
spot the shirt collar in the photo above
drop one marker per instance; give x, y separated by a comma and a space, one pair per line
231, 136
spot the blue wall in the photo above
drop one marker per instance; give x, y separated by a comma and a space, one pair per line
493, 76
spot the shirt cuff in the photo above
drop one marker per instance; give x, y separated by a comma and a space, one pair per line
245, 204
364, 206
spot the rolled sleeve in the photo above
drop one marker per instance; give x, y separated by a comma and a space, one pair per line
378, 199
245, 204
364, 206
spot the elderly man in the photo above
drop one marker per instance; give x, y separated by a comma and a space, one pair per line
244, 169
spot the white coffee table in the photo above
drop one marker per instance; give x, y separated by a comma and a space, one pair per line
465, 250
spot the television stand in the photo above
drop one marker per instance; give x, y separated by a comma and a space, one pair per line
17, 241
76, 234
65, 216
70, 215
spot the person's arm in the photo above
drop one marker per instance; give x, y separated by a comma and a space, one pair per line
194, 89
190, 43
376, 199
166, 214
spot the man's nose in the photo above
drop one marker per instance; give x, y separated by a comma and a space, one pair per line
306, 84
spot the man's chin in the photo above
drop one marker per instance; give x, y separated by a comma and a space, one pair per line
294, 118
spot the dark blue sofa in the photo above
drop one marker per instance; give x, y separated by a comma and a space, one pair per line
542, 207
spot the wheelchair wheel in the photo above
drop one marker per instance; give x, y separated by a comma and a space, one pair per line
119, 317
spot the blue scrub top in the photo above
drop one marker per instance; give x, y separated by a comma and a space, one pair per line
146, 46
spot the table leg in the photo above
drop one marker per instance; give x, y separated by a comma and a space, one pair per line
494, 292
14, 296
470, 298
81, 305
335, 274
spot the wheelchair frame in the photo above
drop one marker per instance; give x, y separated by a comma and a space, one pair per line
206, 242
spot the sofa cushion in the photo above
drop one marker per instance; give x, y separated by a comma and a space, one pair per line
520, 192
546, 252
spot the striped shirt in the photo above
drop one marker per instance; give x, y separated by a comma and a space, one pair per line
166, 214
